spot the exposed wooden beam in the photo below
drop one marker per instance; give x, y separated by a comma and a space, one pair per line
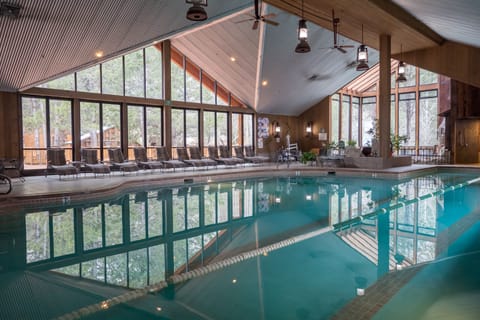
405, 17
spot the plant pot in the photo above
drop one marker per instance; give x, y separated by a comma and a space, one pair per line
367, 151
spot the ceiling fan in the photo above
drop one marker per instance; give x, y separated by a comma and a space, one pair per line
257, 18
341, 48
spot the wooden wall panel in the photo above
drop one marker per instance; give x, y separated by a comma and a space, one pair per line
9, 125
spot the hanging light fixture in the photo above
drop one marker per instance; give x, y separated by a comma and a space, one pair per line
401, 68
362, 56
197, 12
302, 46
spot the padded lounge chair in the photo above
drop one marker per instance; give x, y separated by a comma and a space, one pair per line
213, 154
164, 157
56, 161
91, 162
225, 155
239, 153
196, 155
143, 162
250, 153
183, 156
119, 163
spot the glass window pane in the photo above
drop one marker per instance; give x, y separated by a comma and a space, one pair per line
427, 77
369, 115
429, 123
113, 225
61, 125
335, 118
355, 123
154, 126
222, 207
63, 233
89, 124
89, 80
236, 129
134, 76
179, 254
178, 77
210, 207
410, 74
222, 128
194, 247
92, 228
345, 118
178, 128
37, 236
136, 129
222, 96
248, 130
208, 89
111, 127
192, 127
112, 77
208, 128
153, 72
392, 114
94, 269
406, 118
64, 83
34, 126
193, 83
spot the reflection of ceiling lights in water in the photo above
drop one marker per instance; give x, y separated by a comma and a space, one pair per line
278, 200
308, 197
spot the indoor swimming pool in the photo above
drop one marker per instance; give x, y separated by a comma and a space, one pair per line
318, 247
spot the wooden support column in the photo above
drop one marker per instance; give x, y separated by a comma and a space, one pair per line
167, 93
384, 96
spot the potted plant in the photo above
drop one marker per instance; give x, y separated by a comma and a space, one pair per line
308, 157
396, 142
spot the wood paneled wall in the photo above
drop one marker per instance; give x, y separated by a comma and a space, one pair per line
9, 125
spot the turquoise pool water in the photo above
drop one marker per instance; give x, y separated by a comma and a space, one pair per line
269, 248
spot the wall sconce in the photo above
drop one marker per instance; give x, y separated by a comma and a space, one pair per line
309, 129
197, 12
276, 130
362, 56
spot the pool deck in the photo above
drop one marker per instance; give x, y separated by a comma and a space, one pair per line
51, 189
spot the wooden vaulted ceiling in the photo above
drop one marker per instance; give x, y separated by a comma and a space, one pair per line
56, 37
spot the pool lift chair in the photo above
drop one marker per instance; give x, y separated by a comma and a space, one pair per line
57, 162
92, 164
145, 163
119, 162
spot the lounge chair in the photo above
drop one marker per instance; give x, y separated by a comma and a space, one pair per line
164, 157
143, 162
252, 159
56, 161
213, 154
225, 155
91, 162
250, 153
196, 155
183, 156
119, 163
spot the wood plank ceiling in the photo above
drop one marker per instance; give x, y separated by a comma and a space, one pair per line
56, 37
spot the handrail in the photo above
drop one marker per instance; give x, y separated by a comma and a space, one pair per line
6, 179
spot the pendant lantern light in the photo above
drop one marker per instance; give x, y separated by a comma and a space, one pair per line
401, 68
362, 56
302, 46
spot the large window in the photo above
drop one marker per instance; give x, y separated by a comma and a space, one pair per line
45, 123
185, 128
355, 121
406, 117
428, 119
134, 74
112, 77
369, 115
345, 122
88, 80
335, 118
144, 129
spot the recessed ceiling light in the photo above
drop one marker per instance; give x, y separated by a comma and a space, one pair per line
264, 83
99, 53
233, 59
